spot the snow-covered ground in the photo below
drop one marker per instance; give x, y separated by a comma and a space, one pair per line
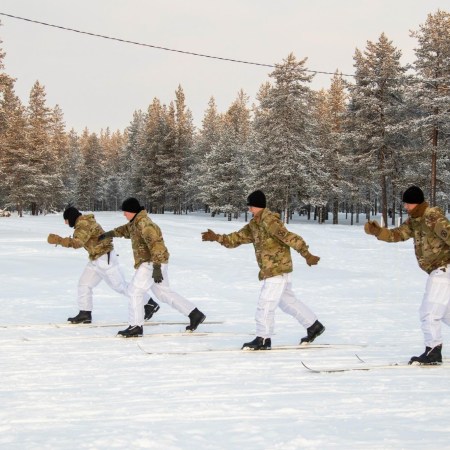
80, 387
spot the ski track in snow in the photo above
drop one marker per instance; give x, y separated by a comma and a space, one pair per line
73, 388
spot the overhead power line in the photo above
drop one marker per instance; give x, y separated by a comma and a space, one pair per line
126, 41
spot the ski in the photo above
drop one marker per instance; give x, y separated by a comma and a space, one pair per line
277, 348
188, 334
367, 367
97, 324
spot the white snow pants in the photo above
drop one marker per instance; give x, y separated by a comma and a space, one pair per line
140, 284
96, 271
277, 291
435, 307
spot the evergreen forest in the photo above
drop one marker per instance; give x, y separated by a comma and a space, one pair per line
351, 148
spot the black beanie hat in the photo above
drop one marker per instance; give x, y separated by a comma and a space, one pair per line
71, 214
413, 195
132, 205
257, 199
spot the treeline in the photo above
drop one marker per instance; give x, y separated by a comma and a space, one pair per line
353, 147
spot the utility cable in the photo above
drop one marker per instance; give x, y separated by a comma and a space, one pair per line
126, 41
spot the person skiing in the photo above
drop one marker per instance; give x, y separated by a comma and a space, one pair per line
272, 243
430, 230
151, 259
103, 262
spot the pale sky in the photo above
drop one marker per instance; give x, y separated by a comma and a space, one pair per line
100, 83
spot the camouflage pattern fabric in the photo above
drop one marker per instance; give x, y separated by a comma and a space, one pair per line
271, 241
146, 239
86, 232
430, 230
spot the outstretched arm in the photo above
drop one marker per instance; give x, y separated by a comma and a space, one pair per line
401, 233
232, 240
67, 242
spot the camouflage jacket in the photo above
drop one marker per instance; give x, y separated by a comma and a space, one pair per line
86, 231
146, 239
431, 232
271, 241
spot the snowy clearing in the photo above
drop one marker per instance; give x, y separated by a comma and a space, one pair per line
80, 387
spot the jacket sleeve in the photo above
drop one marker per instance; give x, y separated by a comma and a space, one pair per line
80, 236
233, 240
277, 229
154, 241
122, 231
401, 233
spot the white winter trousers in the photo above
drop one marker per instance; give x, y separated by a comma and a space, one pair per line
96, 271
143, 281
277, 291
435, 307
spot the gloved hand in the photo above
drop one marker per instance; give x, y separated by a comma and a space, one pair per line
157, 273
311, 260
58, 240
107, 234
54, 239
209, 236
372, 227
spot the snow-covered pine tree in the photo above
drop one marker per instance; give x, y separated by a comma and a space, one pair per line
183, 129
129, 160
375, 99
18, 176
329, 112
285, 163
204, 141
153, 161
90, 172
432, 91
49, 189
71, 162
225, 169
60, 148
112, 145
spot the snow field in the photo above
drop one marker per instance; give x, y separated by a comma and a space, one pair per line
83, 388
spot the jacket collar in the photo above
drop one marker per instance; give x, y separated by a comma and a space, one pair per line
419, 210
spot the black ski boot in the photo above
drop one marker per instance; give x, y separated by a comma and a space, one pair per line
81, 317
131, 331
196, 317
150, 308
431, 356
258, 343
314, 331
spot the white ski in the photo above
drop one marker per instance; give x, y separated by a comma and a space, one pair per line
97, 324
366, 367
276, 348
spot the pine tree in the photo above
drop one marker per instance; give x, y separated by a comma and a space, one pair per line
129, 158
59, 146
225, 167
181, 131
71, 163
285, 162
375, 99
112, 145
43, 158
18, 188
90, 172
205, 140
432, 91
329, 112
154, 158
